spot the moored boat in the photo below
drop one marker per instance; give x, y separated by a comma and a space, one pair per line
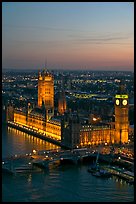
104, 173
97, 173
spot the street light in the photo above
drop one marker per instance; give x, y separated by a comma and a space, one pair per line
34, 151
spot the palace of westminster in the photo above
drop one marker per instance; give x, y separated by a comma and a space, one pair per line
66, 126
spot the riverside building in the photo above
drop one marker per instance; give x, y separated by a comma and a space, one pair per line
67, 126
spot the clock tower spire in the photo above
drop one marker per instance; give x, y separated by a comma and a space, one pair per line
121, 116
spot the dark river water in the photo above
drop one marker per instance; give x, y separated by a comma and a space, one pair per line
60, 183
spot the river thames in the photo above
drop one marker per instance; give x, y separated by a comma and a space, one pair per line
59, 183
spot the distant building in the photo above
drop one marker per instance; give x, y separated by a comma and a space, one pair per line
62, 102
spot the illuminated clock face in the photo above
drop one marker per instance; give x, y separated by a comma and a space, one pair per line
117, 101
124, 102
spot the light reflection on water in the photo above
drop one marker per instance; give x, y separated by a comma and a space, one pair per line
59, 183
20, 143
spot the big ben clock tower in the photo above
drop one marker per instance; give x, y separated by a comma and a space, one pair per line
121, 118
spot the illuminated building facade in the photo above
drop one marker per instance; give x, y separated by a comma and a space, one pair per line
96, 134
39, 118
37, 121
77, 134
67, 127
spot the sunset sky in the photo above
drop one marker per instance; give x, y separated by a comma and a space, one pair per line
68, 35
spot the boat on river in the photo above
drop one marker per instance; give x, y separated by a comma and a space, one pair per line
101, 173
98, 171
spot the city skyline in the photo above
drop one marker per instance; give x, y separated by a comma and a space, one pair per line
91, 36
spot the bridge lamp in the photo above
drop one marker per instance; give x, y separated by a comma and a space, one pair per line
34, 151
